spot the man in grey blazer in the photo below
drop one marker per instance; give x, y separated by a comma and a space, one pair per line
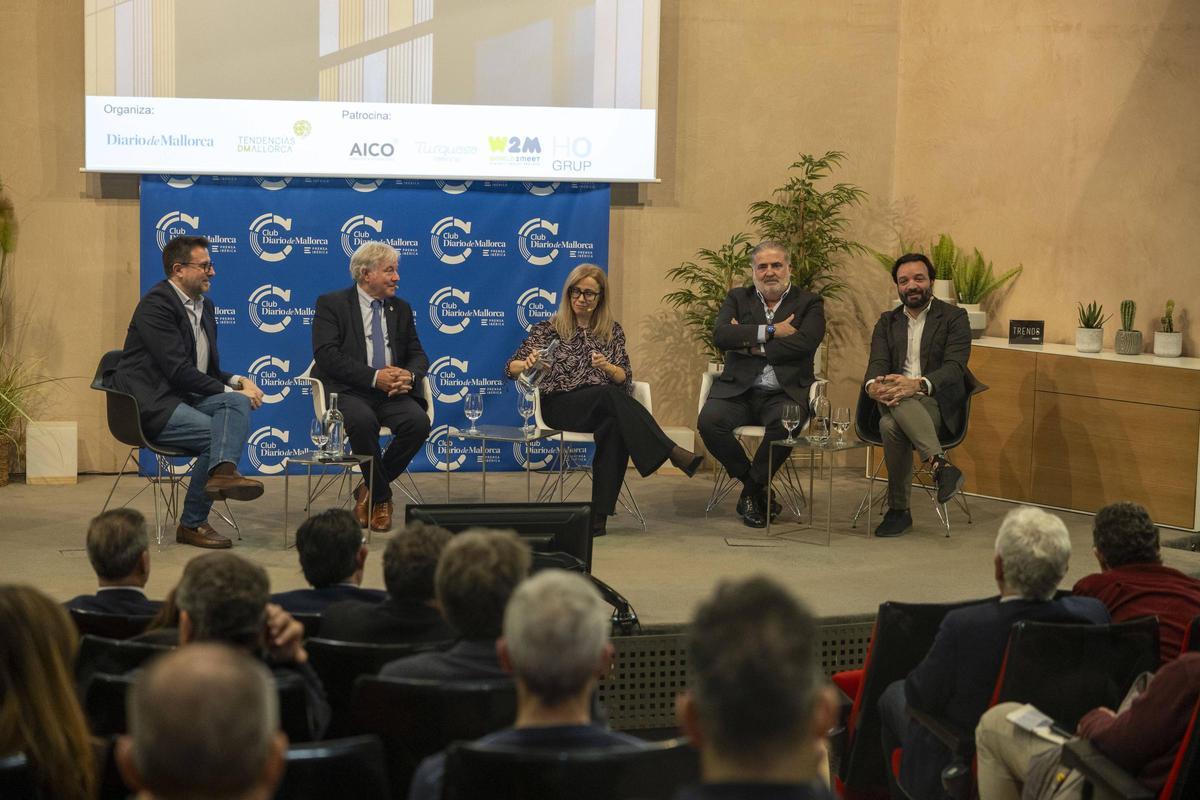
917, 379
769, 333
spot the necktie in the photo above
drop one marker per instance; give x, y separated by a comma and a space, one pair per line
378, 354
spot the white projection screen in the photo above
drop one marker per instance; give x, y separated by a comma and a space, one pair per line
505, 89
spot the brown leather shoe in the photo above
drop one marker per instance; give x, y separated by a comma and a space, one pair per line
381, 517
233, 486
360, 505
203, 536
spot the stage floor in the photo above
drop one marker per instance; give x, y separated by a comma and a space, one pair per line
663, 571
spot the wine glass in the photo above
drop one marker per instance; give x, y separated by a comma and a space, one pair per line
791, 420
318, 434
525, 409
473, 408
841, 423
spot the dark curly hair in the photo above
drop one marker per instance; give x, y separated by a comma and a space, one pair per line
1123, 533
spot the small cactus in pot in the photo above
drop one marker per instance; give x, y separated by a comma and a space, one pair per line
1129, 340
1168, 342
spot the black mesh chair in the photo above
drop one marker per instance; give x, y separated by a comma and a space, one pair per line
417, 718
98, 654
335, 769
505, 773
340, 663
110, 626
866, 427
16, 779
125, 424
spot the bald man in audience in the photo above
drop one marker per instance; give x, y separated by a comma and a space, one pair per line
203, 723
118, 546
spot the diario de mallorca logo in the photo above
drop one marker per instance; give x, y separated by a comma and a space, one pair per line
535, 305
180, 181
272, 239
357, 231
451, 381
540, 189
268, 450
537, 454
271, 375
363, 184
273, 184
271, 310
450, 311
453, 187
539, 244
445, 453
172, 223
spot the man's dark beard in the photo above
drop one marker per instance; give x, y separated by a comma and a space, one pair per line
919, 301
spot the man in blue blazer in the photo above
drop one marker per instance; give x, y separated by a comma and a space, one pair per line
366, 348
119, 548
956, 678
170, 364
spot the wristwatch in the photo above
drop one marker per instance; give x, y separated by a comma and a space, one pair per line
770, 332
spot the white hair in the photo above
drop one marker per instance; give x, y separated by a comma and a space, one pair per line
368, 256
556, 628
1034, 547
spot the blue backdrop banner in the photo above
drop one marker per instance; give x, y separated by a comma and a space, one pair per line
480, 262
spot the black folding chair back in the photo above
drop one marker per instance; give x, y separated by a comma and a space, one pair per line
113, 656
339, 663
505, 773
104, 703
110, 626
16, 779
335, 768
417, 718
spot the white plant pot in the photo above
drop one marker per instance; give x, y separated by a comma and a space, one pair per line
1168, 345
1089, 340
977, 317
716, 367
944, 290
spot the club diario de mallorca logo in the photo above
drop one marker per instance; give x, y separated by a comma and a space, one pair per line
453, 187
535, 305
271, 375
451, 312
180, 181
539, 244
268, 450
542, 189
451, 381
364, 185
265, 230
273, 184
446, 240
271, 310
172, 224
357, 231
445, 453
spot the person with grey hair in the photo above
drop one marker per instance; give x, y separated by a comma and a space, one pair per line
203, 723
556, 645
366, 350
769, 333
956, 678
118, 547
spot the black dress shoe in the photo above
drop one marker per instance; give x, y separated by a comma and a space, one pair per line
600, 525
949, 481
750, 508
894, 523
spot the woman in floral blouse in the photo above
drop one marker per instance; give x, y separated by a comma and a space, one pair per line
588, 388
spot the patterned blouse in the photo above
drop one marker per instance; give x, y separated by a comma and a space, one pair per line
571, 362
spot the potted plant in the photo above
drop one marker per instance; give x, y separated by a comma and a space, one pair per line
946, 258
1168, 342
1128, 341
974, 280
1089, 336
14, 378
706, 282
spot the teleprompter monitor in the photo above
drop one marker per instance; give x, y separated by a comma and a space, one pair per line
547, 527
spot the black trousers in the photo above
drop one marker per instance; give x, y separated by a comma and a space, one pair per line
365, 413
721, 415
623, 430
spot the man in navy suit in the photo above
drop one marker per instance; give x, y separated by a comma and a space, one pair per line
365, 348
119, 548
770, 334
956, 678
332, 556
170, 364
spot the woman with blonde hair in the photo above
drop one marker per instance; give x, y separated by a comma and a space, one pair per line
39, 714
588, 387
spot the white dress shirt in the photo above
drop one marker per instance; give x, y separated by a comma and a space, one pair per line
195, 311
912, 355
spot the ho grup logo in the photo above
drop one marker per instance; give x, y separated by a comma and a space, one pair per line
355, 232
446, 240
273, 184
363, 185
171, 224
447, 378
534, 242
180, 181
268, 451
453, 187
540, 189
271, 375
535, 305
271, 310
265, 230
443, 452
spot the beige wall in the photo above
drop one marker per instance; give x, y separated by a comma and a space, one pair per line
1058, 134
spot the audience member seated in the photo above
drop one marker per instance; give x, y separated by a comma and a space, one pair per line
957, 676
476, 574
410, 612
556, 645
1142, 738
39, 714
203, 723
1133, 582
119, 548
758, 706
332, 554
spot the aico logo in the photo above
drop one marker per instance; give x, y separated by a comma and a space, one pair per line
453, 187
268, 451
447, 378
180, 181
270, 311
444, 453
447, 242
273, 184
372, 150
363, 185
171, 225
540, 189
535, 245
514, 144
265, 230
535, 305
270, 374
353, 235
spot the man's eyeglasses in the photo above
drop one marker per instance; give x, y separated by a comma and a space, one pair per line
203, 266
587, 294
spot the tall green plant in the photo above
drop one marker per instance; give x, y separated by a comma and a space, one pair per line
811, 222
974, 279
706, 283
946, 258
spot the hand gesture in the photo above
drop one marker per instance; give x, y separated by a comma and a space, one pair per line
785, 327
600, 361
532, 359
253, 392
284, 637
403, 383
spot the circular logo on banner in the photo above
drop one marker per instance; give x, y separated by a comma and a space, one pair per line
267, 239
172, 224
444, 453
176, 467
273, 184
450, 312
447, 378
535, 305
363, 185
541, 453
454, 187
180, 181
270, 309
302, 128
354, 235
446, 240
534, 242
270, 374
541, 189
268, 451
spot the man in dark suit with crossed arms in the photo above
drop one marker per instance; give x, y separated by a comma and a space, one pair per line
916, 376
365, 348
770, 333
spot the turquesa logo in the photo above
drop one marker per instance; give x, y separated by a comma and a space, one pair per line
271, 310
450, 311
172, 224
271, 375
451, 243
180, 181
453, 187
363, 185
540, 189
535, 305
451, 382
356, 232
268, 450
539, 244
272, 240
273, 184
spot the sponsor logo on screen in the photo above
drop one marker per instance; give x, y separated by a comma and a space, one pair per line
451, 382
372, 150
268, 450
450, 311
273, 184
271, 309
539, 242
535, 305
272, 239
271, 375
571, 154
270, 144
302, 128
360, 229
524, 150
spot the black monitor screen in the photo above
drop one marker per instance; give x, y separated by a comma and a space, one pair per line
547, 527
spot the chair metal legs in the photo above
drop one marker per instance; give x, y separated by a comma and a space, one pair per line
924, 479
169, 497
576, 469
786, 482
